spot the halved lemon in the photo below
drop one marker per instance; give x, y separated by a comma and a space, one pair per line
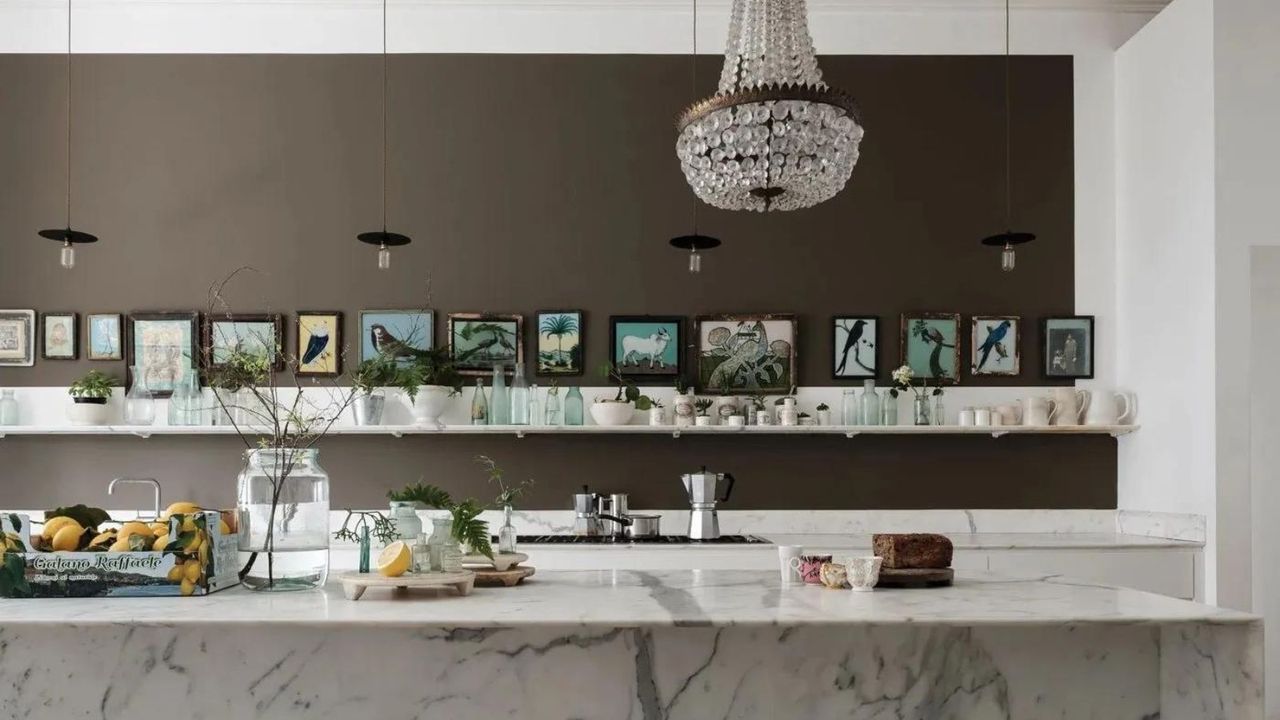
394, 560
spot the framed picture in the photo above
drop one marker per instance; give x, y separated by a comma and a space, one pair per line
17, 338
60, 336
318, 343
103, 332
478, 341
260, 334
163, 348
1068, 346
646, 347
396, 333
746, 354
856, 344
560, 342
993, 345
931, 346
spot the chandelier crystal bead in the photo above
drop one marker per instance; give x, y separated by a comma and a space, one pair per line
774, 136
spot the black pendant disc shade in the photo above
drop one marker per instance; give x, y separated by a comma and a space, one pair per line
383, 237
1008, 238
68, 235
695, 242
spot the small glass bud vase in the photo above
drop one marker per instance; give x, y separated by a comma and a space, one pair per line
445, 554
921, 406
888, 409
939, 412
506, 533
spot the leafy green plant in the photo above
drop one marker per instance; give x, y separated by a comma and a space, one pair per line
88, 517
702, 405
822, 407
240, 369
507, 494
627, 390
376, 372
94, 384
468, 528
436, 367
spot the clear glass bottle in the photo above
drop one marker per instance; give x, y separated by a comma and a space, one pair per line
365, 549
921, 409
446, 556
139, 403
849, 414
519, 397
506, 533
888, 409
535, 405
185, 403
479, 405
499, 400
408, 524
421, 552
573, 407
552, 410
9, 412
869, 404
283, 509
939, 412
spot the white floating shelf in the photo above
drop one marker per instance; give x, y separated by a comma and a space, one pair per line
523, 430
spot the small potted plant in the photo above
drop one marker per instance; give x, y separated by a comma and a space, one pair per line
370, 377
89, 396
429, 382
618, 409
824, 414
702, 405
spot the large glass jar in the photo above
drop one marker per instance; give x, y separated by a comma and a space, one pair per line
408, 524
139, 403
283, 508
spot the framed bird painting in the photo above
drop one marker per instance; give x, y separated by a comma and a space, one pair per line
396, 333
994, 347
478, 342
856, 346
319, 343
931, 346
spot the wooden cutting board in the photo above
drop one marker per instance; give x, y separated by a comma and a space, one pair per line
355, 583
915, 578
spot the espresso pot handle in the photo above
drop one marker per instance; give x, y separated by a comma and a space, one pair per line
727, 488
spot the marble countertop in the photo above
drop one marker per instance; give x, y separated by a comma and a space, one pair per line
961, 541
629, 598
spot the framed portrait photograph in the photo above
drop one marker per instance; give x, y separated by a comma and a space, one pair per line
647, 348
59, 336
856, 346
560, 342
318, 343
163, 348
994, 346
746, 354
396, 333
478, 341
103, 333
257, 334
931, 346
17, 338
1068, 346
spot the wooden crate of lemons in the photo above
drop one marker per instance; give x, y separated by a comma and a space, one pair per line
79, 552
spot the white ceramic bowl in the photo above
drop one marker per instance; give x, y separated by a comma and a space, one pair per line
612, 413
87, 413
430, 403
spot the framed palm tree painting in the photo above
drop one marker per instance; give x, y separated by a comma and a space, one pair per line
560, 342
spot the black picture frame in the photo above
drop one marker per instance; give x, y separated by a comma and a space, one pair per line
537, 341
473, 369
782, 385
89, 319
192, 350
904, 338
835, 342
338, 348
275, 319
75, 335
650, 378
1047, 350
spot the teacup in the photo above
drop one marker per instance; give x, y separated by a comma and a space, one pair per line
810, 567
833, 575
863, 572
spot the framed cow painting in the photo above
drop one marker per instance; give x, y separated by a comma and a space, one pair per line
646, 348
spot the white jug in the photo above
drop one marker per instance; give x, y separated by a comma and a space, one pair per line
1037, 410
1010, 414
1070, 405
1105, 409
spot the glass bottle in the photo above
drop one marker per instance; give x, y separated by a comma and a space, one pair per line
446, 556
408, 524
421, 554
519, 397
849, 407
573, 407
364, 549
535, 406
499, 401
283, 509
184, 404
888, 409
9, 413
479, 405
139, 403
921, 408
939, 414
506, 533
869, 404
552, 409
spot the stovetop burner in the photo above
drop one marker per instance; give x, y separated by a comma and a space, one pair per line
659, 540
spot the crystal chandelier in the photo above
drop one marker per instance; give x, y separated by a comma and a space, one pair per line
774, 136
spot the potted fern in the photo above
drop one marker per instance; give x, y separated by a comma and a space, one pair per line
89, 397
458, 533
429, 381
369, 379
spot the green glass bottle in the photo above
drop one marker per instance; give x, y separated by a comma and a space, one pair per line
573, 407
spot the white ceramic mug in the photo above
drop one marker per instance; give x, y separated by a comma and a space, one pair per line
863, 573
1070, 405
1037, 411
966, 417
1105, 408
1010, 414
736, 420
982, 417
789, 563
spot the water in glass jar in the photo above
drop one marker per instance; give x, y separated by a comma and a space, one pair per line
300, 559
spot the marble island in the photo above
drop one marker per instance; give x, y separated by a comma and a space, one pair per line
631, 644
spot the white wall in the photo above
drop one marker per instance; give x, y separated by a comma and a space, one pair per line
1264, 417
1164, 262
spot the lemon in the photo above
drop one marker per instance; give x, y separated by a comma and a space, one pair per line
161, 542
103, 538
53, 525
191, 570
159, 528
187, 587
68, 537
121, 545
394, 559
135, 528
179, 508
175, 573
193, 544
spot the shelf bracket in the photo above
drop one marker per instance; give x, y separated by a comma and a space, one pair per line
519, 433
675, 433
999, 433
397, 433
852, 433
143, 435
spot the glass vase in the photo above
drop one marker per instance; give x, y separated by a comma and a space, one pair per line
364, 549
535, 405
446, 555
519, 397
888, 409
9, 412
506, 533
921, 406
499, 401
849, 407
552, 409
939, 413
573, 407
869, 404
139, 403
283, 509
405, 516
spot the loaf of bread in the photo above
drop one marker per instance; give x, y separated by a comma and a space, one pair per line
912, 550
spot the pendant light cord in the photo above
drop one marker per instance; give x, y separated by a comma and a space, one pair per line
384, 116
68, 114
1008, 125
693, 82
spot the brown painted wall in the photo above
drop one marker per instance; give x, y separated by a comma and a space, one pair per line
532, 182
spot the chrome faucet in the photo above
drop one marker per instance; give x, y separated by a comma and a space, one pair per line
111, 488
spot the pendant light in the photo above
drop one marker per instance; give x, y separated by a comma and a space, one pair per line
68, 237
1008, 239
383, 239
695, 243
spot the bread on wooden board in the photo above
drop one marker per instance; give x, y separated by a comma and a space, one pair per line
912, 550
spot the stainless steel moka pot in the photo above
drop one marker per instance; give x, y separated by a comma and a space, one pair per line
703, 489
597, 514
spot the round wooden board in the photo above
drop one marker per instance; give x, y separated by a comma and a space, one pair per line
915, 577
354, 583
500, 562
506, 578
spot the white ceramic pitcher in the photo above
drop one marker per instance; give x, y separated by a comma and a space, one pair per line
1070, 405
1105, 409
1036, 410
